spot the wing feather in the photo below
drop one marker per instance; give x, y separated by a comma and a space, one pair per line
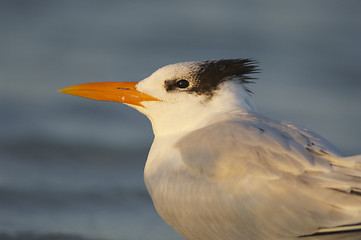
348, 232
251, 143
265, 163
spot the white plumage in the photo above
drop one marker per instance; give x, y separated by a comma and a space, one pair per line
218, 170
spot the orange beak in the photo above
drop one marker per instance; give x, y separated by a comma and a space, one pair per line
124, 92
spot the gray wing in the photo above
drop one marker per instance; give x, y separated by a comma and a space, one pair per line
249, 142
278, 163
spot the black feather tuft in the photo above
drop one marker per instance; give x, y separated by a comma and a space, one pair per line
212, 73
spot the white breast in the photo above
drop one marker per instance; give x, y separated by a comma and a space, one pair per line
197, 207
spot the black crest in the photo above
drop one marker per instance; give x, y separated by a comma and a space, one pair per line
206, 77
213, 72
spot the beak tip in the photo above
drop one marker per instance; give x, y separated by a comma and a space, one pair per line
63, 90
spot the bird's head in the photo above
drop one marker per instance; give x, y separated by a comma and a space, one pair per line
180, 96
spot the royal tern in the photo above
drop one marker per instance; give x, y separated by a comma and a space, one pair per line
217, 170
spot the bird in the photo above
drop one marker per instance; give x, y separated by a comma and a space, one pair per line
218, 170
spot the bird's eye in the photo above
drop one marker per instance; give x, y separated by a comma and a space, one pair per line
182, 83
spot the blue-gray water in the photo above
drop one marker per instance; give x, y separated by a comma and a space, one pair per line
72, 168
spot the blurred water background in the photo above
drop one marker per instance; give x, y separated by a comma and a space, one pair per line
72, 168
